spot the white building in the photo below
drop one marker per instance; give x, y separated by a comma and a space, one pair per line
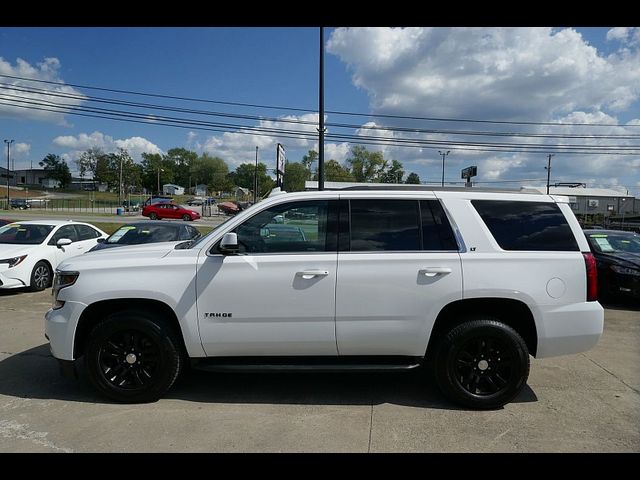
172, 189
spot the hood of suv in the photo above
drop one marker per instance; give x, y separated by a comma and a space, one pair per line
120, 257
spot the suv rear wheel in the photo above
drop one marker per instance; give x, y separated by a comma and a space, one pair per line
481, 364
133, 357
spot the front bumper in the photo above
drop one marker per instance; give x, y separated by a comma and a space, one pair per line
10, 282
60, 327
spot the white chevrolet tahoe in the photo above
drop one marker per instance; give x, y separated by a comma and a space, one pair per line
466, 283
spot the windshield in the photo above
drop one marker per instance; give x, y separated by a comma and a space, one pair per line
134, 235
20, 234
615, 242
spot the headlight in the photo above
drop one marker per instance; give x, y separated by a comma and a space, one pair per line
625, 270
60, 281
13, 261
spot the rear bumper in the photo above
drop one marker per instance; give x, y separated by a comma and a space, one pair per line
570, 329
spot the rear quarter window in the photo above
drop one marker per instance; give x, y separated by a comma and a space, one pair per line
537, 226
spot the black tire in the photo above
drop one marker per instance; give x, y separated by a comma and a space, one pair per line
140, 350
153, 216
41, 277
481, 364
186, 218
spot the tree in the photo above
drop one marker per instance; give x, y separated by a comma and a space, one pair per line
295, 175
366, 166
334, 172
244, 175
57, 169
413, 178
181, 162
309, 158
392, 173
212, 171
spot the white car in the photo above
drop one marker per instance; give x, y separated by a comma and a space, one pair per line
30, 251
466, 283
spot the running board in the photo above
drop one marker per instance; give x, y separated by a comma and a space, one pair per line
307, 364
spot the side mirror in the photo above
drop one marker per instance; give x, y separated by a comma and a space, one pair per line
63, 242
101, 240
229, 244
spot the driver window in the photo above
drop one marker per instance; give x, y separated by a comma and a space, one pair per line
292, 227
66, 231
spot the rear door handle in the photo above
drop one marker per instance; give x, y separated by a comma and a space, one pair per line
433, 271
308, 274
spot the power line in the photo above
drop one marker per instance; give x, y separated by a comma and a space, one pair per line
336, 112
296, 134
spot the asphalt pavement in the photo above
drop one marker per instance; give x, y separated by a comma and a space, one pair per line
588, 402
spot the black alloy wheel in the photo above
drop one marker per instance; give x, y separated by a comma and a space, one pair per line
133, 356
153, 216
482, 364
186, 217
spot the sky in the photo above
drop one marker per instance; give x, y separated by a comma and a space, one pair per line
499, 98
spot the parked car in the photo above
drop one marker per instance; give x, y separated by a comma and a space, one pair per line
131, 205
617, 256
145, 232
19, 203
375, 284
195, 201
157, 199
169, 210
31, 251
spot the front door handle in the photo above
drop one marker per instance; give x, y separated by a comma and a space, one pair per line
308, 274
433, 271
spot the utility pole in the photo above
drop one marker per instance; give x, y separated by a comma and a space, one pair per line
321, 115
120, 185
443, 155
8, 142
548, 168
255, 179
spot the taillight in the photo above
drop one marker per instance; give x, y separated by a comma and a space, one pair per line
592, 277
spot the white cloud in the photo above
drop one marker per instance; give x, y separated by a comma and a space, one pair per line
618, 33
498, 73
35, 104
513, 74
21, 149
77, 144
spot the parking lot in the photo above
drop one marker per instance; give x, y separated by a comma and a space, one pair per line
581, 403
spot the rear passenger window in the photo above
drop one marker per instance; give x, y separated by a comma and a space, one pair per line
527, 225
436, 230
384, 225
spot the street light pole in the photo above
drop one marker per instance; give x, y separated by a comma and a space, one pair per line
548, 167
8, 142
321, 115
443, 155
255, 179
158, 181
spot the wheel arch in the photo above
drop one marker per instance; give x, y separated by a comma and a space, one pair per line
514, 313
94, 313
51, 270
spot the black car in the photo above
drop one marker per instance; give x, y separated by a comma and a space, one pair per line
20, 203
4, 222
138, 233
617, 256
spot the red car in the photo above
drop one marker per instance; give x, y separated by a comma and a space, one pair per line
169, 210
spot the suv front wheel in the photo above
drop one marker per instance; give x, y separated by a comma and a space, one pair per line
482, 364
133, 356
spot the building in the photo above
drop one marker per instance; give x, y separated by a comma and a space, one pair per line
200, 190
30, 176
172, 189
3, 177
593, 201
